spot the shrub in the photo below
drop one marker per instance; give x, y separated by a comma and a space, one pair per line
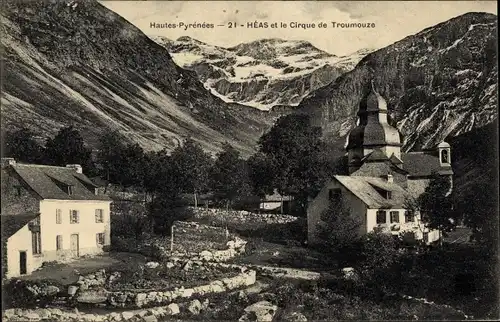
28, 294
340, 231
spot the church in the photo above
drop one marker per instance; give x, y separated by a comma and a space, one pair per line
382, 178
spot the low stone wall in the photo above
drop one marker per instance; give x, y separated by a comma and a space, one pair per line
241, 216
51, 314
129, 299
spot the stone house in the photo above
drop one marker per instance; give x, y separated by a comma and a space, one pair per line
50, 214
382, 178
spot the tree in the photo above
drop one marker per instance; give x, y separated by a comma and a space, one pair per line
436, 205
297, 155
68, 147
479, 208
229, 175
123, 164
22, 146
339, 229
191, 166
261, 174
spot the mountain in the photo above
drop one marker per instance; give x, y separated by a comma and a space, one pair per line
262, 73
438, 83
76, 62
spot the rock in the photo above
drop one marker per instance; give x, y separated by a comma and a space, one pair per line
149, 318
263, 310
294, 317
127, 315
350, 273
9, 313
174, 308
72, 290
32, 316
44, 314
54, 311
205, 304
206, 255
169, 265
152, 264
187, 292
50, 290
187, 266
194, 307
92, 297
140, 299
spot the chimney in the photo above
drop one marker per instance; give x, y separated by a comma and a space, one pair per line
76, 167
8, 161
390, 178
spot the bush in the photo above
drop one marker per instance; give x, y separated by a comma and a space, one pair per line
128, 225
29, 294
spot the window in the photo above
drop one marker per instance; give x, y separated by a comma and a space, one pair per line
381, 217
36, 242
384, 193
58, 216
394, 216
70, 190
99, 215
59, 242
100, 238
74, 217
18, 191
444, 156
409, 216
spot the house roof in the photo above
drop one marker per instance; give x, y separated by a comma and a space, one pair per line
276, 196
48, 182
12, 223
365, 188
420, 164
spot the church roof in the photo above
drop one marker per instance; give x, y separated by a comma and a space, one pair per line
365, 188
377, 169
395, 160
376, 155
420, 164
47, 181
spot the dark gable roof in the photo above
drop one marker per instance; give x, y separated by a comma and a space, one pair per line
365, 189
421, 164
375, 156
48, 182
377, 169
12, 223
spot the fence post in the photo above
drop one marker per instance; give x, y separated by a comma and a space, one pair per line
172, 239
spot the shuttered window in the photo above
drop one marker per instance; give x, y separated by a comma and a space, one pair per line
58, 216
59, 242
74, 217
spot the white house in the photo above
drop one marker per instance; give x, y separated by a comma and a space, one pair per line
53, 214
382, 178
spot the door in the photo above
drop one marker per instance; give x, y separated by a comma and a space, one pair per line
75, 247
22, 263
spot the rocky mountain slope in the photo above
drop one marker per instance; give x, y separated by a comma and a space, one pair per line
76, 62
440, 82
262, 73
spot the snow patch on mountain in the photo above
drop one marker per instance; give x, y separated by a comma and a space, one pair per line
263, 73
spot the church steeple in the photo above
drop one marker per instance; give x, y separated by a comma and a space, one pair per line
378, 134
372, 131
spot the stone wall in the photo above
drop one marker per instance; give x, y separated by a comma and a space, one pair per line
129, 299
241, 216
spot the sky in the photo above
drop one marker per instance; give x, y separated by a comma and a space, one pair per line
393, 20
